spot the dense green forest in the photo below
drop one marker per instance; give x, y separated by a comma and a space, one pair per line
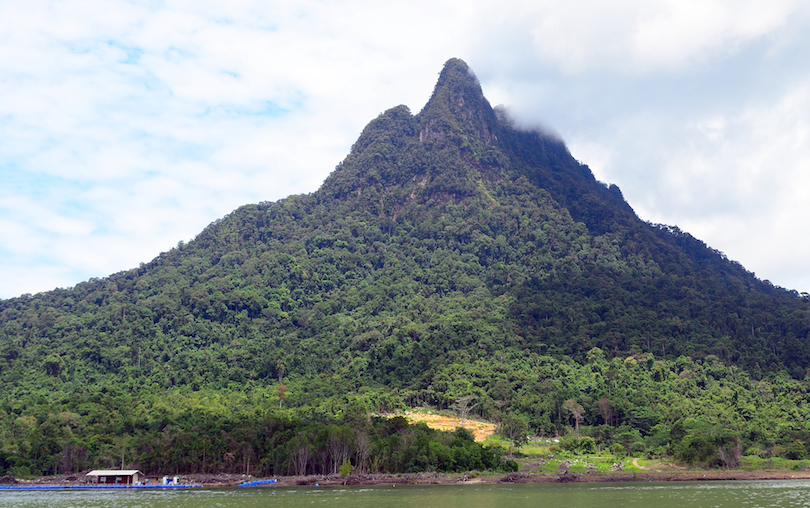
449, 255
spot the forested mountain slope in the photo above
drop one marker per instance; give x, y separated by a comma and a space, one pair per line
449, 252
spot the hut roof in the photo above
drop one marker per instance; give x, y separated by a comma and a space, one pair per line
113, 472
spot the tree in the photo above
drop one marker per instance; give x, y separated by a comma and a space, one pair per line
281, 367
281, 392
576, 411
515, 429
606, 410
300, 453
464, 407
339, 447
363, 445
731, 454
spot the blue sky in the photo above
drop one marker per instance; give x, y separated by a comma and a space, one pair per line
126, 126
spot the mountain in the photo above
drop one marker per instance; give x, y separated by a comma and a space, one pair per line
449, 254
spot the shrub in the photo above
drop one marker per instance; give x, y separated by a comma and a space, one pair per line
587, 445
657, 452
637, 448
755, 451
346, 468
578, 445
796, 450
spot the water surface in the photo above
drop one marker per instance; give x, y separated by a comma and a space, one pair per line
771, 494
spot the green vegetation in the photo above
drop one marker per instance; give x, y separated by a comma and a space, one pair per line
546, 457
449, 256
192, 431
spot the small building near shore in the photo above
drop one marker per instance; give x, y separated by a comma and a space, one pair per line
116, 476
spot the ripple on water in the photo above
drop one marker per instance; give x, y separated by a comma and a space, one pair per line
760, 494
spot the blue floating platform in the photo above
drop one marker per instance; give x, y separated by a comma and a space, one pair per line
256, 483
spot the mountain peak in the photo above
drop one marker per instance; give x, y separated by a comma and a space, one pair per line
456, 73
457, 107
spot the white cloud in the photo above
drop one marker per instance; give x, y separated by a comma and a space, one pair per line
674, 32
127, 126
626, 36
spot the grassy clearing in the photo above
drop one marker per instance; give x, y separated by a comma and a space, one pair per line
752, 462
494, 440
544, 456
575, 464
533, 449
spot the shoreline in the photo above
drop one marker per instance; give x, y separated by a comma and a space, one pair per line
466, 479
233, 480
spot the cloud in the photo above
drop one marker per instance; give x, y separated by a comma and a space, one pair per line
128, 126
672, 32
624, 36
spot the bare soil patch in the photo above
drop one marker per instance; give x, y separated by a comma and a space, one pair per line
479, 429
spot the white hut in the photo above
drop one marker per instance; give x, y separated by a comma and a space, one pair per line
116, 476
